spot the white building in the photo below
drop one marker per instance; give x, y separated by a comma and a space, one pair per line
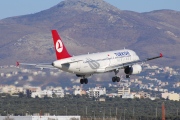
96, 92
122, 91
79, 92
11, 89
136, 95
40, 117
32, 89
170, 96
112, 95
144, 95
127, 95
42, 94
58, 91
47, 93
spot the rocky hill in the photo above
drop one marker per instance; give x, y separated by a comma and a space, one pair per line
90, 26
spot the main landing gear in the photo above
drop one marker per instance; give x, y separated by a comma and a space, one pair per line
84, 81
115, 79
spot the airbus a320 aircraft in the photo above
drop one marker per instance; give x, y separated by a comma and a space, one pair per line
86, 65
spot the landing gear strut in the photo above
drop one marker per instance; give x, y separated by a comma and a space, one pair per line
84, 81
127, 76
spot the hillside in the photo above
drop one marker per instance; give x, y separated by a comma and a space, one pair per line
90, 26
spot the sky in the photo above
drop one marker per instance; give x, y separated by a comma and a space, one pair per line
9, 8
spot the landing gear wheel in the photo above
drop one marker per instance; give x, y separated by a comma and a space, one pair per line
86, 81
113, 79
82, 81
118, 79
127, 76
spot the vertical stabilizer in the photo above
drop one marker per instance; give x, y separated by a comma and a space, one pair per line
60, 49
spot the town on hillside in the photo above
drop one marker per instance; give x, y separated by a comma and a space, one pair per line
154, 83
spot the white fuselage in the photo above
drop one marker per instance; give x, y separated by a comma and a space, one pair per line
96, 62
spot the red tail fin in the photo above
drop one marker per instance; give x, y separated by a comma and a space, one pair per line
60, 49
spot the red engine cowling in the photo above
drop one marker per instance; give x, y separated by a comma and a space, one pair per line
135, 69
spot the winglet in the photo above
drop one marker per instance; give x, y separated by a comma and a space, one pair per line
161, 55
17, 64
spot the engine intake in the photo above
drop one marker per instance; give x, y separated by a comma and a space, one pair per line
135, 69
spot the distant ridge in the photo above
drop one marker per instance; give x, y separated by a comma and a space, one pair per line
90, 26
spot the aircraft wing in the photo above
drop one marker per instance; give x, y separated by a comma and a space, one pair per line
39, 65
120, 66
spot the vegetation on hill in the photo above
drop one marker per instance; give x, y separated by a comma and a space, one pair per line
90, 107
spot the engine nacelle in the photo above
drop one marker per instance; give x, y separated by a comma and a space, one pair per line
135, 69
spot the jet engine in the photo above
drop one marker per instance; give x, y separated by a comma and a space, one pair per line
135, 69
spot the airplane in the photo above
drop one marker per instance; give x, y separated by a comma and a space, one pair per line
86, 65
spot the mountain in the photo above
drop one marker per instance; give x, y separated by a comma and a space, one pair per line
90, 26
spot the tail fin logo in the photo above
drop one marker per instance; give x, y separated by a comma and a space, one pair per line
59, 46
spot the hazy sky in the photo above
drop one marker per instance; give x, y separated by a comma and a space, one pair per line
10, 8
